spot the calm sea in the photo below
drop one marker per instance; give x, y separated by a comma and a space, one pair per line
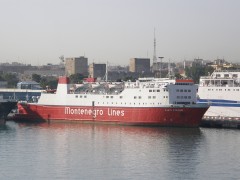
88, 151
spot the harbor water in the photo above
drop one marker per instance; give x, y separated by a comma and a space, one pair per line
93, 151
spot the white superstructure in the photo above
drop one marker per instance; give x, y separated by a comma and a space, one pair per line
222, 90
144, 92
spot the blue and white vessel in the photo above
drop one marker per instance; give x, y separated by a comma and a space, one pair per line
222, 91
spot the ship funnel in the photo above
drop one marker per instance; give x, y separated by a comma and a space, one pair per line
63, 85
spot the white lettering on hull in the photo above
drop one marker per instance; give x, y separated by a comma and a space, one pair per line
115, 112
94, 113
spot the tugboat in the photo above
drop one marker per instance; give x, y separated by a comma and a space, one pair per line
5, 108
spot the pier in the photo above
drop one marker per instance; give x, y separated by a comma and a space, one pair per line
220, 122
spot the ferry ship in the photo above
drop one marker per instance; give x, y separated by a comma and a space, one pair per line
221, 90
148, 101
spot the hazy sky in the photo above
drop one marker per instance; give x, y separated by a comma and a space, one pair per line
40, 31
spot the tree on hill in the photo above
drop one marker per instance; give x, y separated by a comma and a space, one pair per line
48, 82
1, 78
129, 78
11, 79
76, 78
195, 72
36, 77
178, 76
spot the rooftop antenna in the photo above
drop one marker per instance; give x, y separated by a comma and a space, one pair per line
154, 54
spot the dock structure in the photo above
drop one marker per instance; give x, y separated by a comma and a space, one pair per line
220, 122
2, 121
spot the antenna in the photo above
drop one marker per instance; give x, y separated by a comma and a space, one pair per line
154, 54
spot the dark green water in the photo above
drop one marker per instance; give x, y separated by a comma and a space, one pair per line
88, 151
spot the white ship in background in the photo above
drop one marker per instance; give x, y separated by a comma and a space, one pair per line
222, 91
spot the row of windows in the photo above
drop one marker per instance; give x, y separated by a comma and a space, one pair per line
80, 96
103, 97
154, 97
183, 97
151, 97
130, 103
135, 97
156, 90
183, 90
227, 75
108, 97
222, 89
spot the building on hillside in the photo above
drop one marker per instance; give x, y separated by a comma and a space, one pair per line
28, 85
219, 61
76, 65
139, 65
97, 70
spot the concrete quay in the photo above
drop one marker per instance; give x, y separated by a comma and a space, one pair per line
220, 122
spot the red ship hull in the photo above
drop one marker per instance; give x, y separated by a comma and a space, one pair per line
154, 116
